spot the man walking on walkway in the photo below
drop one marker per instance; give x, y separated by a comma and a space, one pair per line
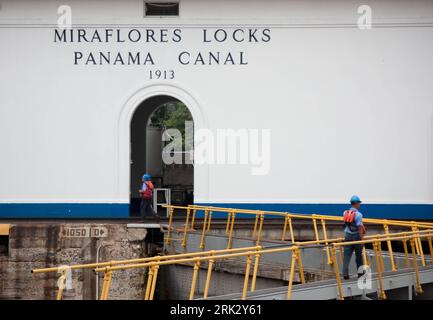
146, 192
354, 231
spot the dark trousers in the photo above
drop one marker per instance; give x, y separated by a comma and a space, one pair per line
348, 251
146, 208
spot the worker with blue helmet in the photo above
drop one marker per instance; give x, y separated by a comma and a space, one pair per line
354, 231
355, 199
146, 193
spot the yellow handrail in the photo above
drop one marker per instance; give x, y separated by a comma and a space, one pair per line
193, 254
296, 258
256, 251
309, 216
259, 222
107, 277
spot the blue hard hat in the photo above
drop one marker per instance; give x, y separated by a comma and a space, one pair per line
355, 199
146, 177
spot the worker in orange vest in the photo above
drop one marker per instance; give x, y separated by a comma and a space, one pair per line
354, 230
146, 193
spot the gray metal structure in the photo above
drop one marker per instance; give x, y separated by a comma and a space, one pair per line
274, 269
398, 285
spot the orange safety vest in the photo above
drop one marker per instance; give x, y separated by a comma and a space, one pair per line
349, 220
148, 193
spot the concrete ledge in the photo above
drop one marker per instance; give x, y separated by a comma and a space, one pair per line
144, 225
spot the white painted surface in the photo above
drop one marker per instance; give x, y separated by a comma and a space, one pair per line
350, 111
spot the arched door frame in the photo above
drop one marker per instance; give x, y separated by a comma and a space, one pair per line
201, 174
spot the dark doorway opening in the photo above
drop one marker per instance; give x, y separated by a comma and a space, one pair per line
161, 145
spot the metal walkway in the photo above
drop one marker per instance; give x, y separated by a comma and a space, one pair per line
398, 285
276, 266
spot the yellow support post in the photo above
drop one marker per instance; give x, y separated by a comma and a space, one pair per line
255, 271
406, 253
256, 220
259, 234
418, 244
208, 276
61, 284
106, 285
154, 278
341, 255
283, 235
414, 229
185, 231
379, 266
229, 217
421, 251
292, 273
246, 278
194, 211
203, 233
170, 223
209, 220
418, 289
145, 272
230, 240
337, 274
292, 235
194, 279
149, 283
300, 266
382, 264
391, 254
364, 256
316, 231
430, 245
325, 237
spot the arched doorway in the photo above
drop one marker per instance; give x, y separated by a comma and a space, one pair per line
169, 162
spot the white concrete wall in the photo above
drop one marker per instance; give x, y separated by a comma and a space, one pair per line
350, 111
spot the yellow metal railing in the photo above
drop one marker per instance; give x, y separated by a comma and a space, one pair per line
287, 223
249, 254
255, 252
62, 269
379, 258
418, 231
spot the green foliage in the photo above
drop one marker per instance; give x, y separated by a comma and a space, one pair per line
171, 115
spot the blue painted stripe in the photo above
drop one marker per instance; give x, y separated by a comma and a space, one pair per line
121, 210
386, 211
64, 210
